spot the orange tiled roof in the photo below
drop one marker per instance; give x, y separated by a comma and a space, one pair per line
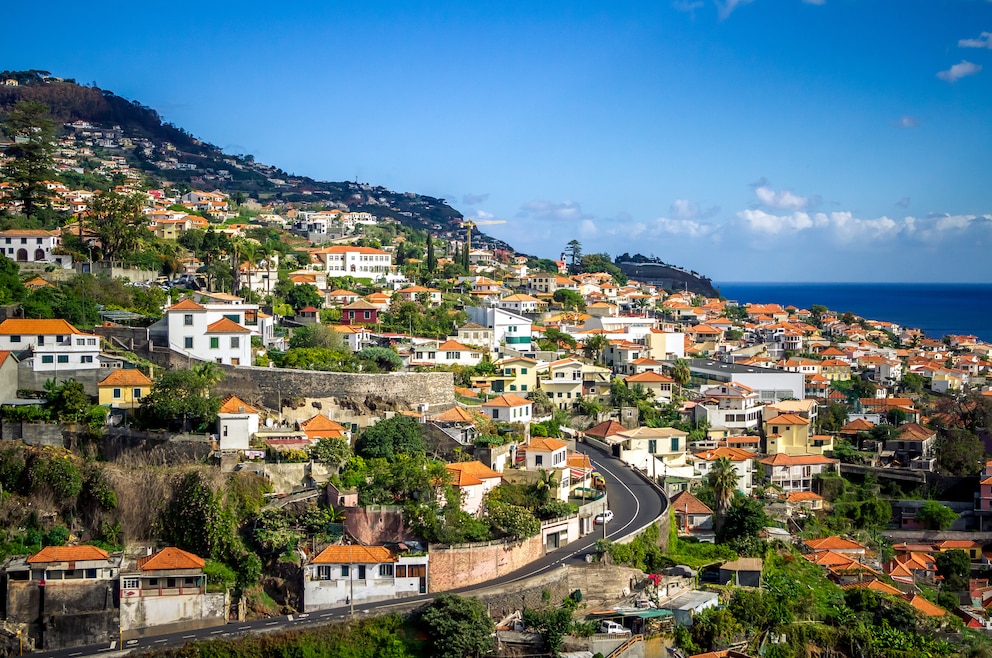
187, 305
126, 377
649, 377
782, 459
465, 474
354, 555
68, 554
833, 543
506, 400
455, 415
543, 444
787, 419
926, 607
235, 405
733, 454
18, 326
686, 503
226, 326
875, 585
170, 558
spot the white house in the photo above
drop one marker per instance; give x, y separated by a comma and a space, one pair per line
522, 303
339, 575
743, 461
795, 472
448, 353
216, 332
509, 408
349, 260
55, 344
237, 421
544, 453
33, 246
474, 480
508, 328
731, 406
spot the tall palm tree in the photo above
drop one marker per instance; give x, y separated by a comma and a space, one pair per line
722, 479
209, 373
680, 373
594, 347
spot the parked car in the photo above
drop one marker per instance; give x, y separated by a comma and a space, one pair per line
603, 517
613, 628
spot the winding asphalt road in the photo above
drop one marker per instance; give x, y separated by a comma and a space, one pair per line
635, 503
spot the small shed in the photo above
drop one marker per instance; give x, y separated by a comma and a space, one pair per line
745, 571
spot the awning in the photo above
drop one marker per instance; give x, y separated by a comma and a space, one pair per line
650, 613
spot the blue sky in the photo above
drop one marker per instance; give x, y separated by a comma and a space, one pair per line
761, 140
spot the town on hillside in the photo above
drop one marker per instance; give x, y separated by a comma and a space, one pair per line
223, 409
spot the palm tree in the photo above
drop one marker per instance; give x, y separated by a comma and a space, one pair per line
594, 347
722, 479
209, 374
681, 373
546, 483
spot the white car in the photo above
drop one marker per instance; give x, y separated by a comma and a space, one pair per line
613, 628
603, 517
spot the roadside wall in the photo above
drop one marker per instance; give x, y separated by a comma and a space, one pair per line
458, 566
168, 614
348, 397
33, 434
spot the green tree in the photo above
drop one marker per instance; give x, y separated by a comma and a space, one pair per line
935, 516
194, 519
31, 155
457, 627
331, 450
399, 435
722, 478
317, 335
595, 346
179, 399
431, 258
955, 567
569, 299
11, 288
512, 521
303, 295
681, 373
574, 252
960, 452
67, 401
382, 359
118, 223
744, 520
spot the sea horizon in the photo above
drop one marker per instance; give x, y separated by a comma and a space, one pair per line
938, 309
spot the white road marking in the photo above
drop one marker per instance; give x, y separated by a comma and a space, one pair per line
78, 653
186, 637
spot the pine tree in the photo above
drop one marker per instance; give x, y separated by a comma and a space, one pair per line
31, 154
431, 258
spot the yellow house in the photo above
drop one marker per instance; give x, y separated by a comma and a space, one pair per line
660, 385
519, 373
124, 388
835, 370
787, 433
563, 382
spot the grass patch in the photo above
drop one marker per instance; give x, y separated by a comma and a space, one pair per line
698, 554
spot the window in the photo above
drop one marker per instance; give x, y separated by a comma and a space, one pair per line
361, 572
91, 341
452, 355
675, 444
235, 342
345, 570
80, 341
153, 582
86, 358
117, 394
652, 446
188, 320
131, 583
523, 371
386, 570
323, 573
188, 342
417, 571
401, 571
47, 358
136, 393
90, 573
539, 459
15, 339
368, 315
214, 342
63, 358
523, 387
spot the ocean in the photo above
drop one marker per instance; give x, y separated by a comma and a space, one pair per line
936, 308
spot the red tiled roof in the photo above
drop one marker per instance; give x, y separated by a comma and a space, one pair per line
235, 405
465, 474
354, 555
170, 558
686, 503
125, 377
68, 554
226, 326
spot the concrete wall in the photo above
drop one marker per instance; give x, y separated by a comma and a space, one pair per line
30, 380
167, 614
349, 397
468, 564
287, 478
33, 434
64, 615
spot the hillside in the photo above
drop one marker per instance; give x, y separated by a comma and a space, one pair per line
170, 155
671, 277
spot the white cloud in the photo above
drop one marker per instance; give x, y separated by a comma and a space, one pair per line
474, 199
784, 200
760, 221
960, 70
688, 6
563, 210
908, 122
482, 214
689, 228
726, 7
983, 41
845, 228
685, 209
588, 229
